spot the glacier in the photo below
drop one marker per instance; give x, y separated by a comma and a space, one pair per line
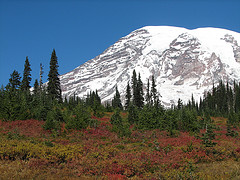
183, 62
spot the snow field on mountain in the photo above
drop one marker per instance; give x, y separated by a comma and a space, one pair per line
184, 62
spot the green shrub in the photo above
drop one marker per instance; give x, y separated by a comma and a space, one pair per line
51, 121
80, 119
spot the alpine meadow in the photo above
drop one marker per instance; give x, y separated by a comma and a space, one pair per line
118, 90
47, 136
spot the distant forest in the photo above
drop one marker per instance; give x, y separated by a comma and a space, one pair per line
144, 109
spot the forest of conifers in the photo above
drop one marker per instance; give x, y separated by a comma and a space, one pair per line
44, 102
46, 136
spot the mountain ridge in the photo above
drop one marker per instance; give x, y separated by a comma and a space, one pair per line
183, 62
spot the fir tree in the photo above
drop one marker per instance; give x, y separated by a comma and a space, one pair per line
14, 81
128, 96
193, 105
180, 104
134, 87
154, 96
36, 87
132, 114
40, 76
209, 135
54, 89
97, 98
148, 95
11, 101
237, 97
116, 103
25, 85
139, 91
119, 125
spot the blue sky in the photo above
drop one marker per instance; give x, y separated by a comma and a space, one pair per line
79, 30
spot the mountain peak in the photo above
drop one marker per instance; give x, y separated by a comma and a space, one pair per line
184, 62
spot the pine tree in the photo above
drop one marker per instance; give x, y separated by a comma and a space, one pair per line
132, 114
12, 102
128, 96
139, 91
237, 97
180, 104
40, 76
200, 106
209, 135
97, 98
25, 85
193, 105
134, 87
119, 126
148, 95
54, 88
36, 87
14, 81
154, 96
116, 103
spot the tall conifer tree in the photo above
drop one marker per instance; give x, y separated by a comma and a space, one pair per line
134, 87
54, 88
148, 95
14, 81
140, 98
40, 76
25, 85
128, 96
154, 92
36, 87
116, 102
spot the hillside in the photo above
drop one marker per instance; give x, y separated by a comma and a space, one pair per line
183, 62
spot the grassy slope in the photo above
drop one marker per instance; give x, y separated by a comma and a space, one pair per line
29, 152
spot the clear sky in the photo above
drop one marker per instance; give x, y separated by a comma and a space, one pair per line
79, 30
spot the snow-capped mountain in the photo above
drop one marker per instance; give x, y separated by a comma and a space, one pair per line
183, 62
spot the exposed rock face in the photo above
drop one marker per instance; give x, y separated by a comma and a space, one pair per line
236, 49
183, 62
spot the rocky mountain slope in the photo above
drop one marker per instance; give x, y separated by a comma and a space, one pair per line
184, 62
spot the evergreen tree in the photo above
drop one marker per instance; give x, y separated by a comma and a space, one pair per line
180, 104
230, 99
40, 76
132, 114
209, 135
193, 105
97, 98
237, 97
128, 96
11, 101
148, 95
14, 81
200, 106
139, 91
25, 85
116, 102
93, 99
53, 88
36, 87
119, 125
214, 94
134, 87
80, 118
154, 96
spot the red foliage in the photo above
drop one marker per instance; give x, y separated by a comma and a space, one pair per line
104, 119
29, 127
238, 150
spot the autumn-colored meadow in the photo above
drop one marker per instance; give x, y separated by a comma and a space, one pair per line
27, 151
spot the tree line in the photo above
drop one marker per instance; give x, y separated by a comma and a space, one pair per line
144, 109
